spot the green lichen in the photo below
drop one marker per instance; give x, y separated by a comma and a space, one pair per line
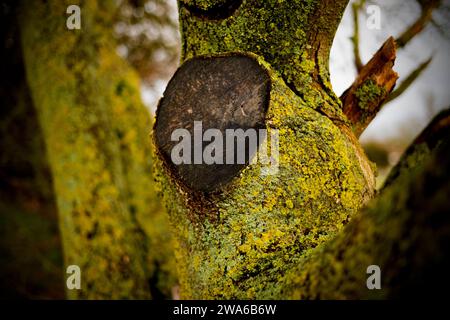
240, 242
282, 33
96, 133
368, 94
205, 4
30, 248
396, 232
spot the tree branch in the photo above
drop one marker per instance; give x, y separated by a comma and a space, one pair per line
375, 81
408, 81
355, 39
421, 147
408, 223
427, 10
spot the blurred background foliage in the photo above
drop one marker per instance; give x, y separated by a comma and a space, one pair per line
149, 39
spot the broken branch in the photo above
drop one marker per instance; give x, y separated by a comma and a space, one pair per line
375, 81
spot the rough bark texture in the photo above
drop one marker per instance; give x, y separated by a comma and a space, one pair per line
406, 232
294, 37
420, 150
96, 133
239, 241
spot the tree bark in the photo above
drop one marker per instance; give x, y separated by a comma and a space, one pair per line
406, 232
96, 133
282, 235
239, 239
30, 248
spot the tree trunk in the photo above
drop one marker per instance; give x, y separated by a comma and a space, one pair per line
244, 234
30, 239
96, 132
238, 239
405, 232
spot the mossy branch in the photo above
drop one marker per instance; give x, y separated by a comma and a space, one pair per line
375, 81
407, 223
421, 147
361, 112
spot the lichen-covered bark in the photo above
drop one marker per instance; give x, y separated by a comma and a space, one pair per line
236, 244
96, 133
30, 250
240, 241
421, 148
405, 232
294, 37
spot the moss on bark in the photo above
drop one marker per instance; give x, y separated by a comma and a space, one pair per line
405, 232
294, 37
283, 235
30, 249
238, 242
96, 133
